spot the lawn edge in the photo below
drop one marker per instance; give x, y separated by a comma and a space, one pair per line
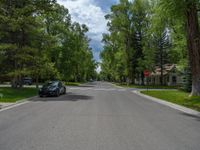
169, 104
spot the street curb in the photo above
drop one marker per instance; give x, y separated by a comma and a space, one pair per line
18, 103
169, 104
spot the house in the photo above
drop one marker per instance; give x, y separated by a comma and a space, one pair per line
171, 75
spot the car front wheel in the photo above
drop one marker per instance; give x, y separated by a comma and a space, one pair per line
64, 91
57, 93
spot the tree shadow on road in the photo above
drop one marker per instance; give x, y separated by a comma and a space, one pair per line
66, 97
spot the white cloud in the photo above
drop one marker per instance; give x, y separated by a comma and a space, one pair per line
86, 12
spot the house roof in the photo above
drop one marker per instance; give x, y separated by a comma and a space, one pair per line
166, 69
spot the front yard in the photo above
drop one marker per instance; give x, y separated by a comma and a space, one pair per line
177, 97
13, 95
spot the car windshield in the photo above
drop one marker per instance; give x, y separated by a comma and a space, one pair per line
27, 79
50, 84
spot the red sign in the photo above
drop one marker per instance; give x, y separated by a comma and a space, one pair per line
146, 73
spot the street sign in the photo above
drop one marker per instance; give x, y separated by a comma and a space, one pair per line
146, 73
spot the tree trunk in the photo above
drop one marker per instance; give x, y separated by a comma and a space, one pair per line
193, 43
161, 64
128, 63
161, 74
142, 78
20, 81
37, 84
14, 82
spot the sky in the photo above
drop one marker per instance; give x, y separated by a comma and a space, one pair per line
91, 13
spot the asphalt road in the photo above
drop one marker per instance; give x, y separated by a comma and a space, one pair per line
97, 116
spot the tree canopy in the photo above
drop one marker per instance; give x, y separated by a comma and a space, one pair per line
43, 42
148, 33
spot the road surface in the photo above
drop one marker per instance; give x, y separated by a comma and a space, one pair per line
97, 116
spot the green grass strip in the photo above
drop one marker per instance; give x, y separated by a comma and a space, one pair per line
12, 95
177, 97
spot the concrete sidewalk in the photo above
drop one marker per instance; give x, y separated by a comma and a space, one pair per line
3, 105
19, 102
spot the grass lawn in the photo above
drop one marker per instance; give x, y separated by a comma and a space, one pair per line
177, 97
13, 95
145, 86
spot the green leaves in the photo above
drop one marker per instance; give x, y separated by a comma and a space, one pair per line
125, 46
173, 8
144, 33
42, 42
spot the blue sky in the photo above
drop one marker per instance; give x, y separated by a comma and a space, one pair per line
91, 13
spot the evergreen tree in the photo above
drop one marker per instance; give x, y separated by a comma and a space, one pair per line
162, 46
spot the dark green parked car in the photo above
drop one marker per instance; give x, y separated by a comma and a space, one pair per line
52, 88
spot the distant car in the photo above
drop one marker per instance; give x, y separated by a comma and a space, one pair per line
91, 80
52, 88
27, 81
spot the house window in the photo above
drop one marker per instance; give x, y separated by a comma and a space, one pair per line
168, 78
174, 79
160, 79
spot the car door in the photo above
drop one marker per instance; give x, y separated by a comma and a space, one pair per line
59, 87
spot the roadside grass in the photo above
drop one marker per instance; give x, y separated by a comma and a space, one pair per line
11, 95
177, 97
146, 86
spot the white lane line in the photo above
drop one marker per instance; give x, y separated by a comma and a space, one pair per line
169, 104
14, 105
